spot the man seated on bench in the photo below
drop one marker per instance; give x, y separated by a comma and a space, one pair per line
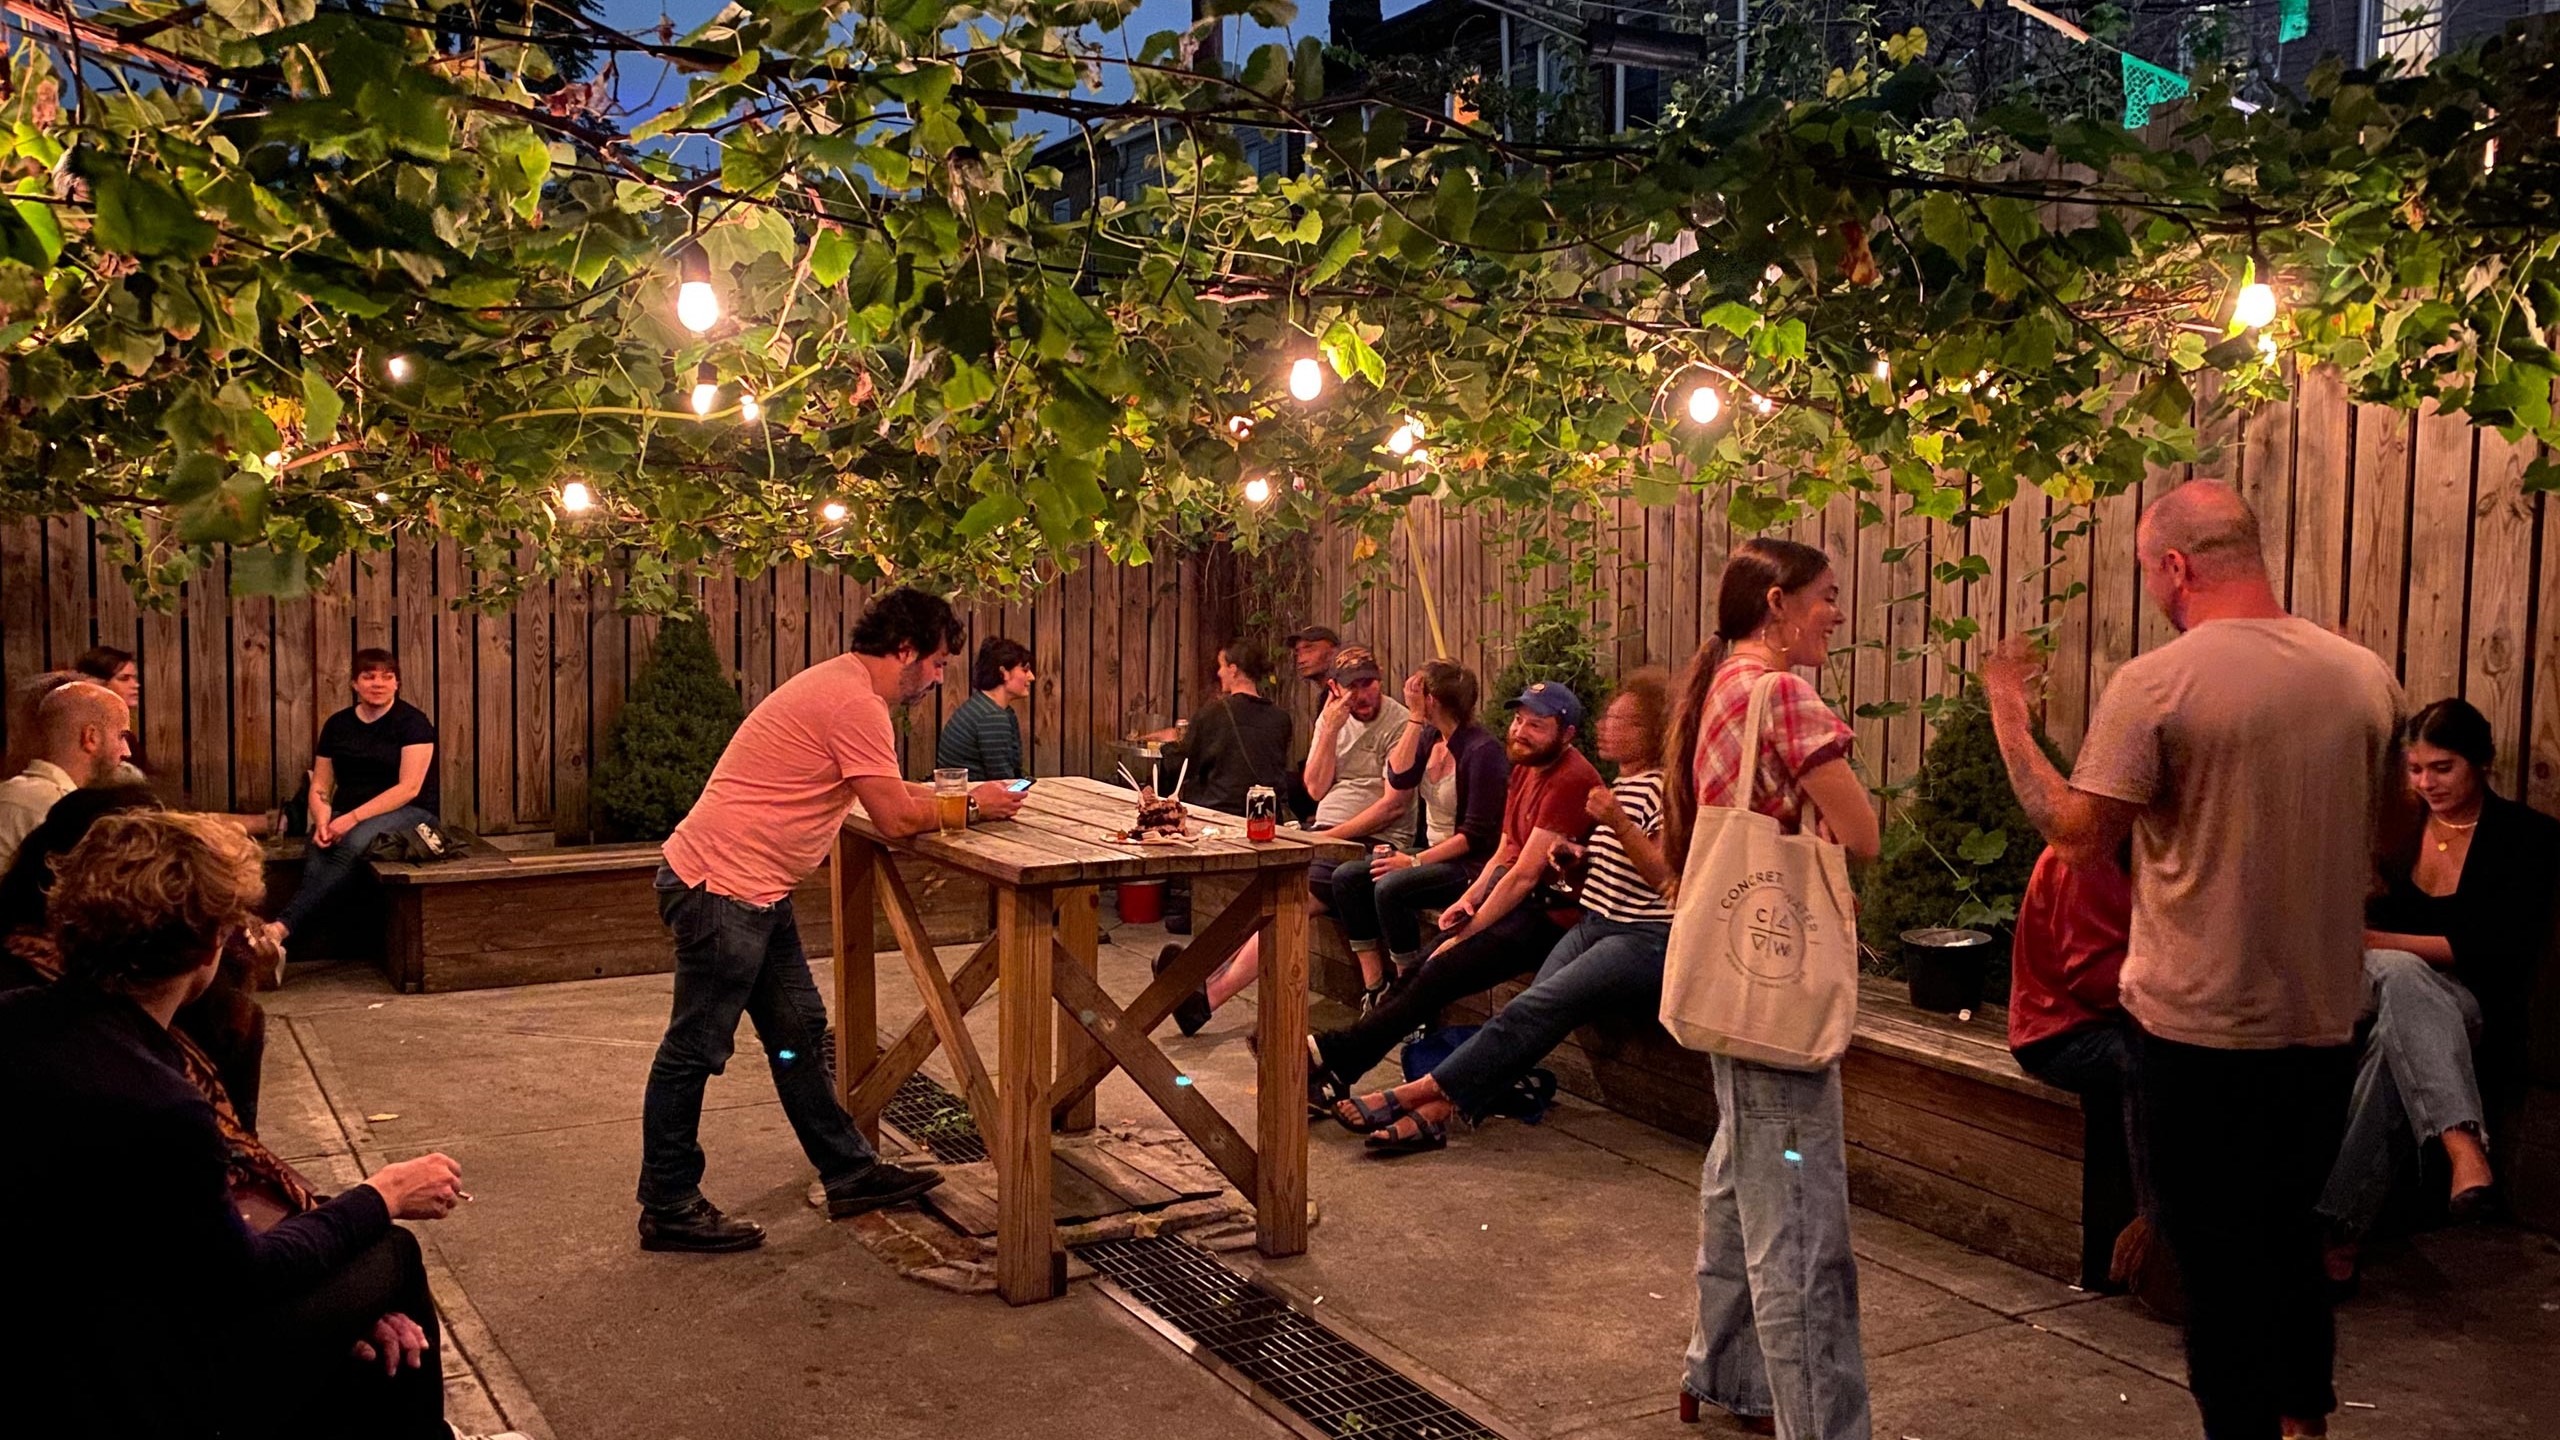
1346, 772
1609, 966
372, 772
156, 1309
1508, 919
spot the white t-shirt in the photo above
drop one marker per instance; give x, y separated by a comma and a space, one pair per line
1360, 771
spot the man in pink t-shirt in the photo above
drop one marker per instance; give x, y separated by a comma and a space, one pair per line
766, 820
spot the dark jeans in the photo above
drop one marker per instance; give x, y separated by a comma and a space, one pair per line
326, 867
1455, 971
2239, 1144
1600, 969
734, 958
302, 1378
2100, 1064
1390, 908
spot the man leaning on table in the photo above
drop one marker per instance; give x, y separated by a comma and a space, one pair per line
766, 820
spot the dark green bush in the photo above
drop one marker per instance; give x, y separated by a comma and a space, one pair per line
680, 714
1959, 848
1553, 647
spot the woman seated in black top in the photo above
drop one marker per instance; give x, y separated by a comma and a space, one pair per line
2454, 940
162, 1312
373, 771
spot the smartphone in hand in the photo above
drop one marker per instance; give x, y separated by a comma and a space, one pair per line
1017, 786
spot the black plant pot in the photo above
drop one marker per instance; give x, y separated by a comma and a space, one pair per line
1945, 968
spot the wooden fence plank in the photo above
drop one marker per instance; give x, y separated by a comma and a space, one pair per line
1075, 675
2323, 451
2542, 780
755, 655
208, 688
2266, 482
826, 614
572, 817
1906, 678
67, 565
164, 692
609, 674
457, 659
1110, 704
532, 663
333, 620
112, 598
296, 695
2497, 640
419, 614
1048, 663
791, 620
21, 607
2378, 529
2067, 699
2115, 585
720, 612
2440, 507
1872, 628
376, 578
494, 712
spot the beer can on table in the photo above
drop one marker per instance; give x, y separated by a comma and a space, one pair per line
1261, 813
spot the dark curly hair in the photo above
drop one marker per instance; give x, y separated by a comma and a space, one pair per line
996, 655
910, 617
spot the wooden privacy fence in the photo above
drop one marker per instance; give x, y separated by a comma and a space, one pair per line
234, 687
2411, 533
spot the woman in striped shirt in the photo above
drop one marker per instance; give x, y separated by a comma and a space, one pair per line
1609, 964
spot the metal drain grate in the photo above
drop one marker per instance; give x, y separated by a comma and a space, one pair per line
1259, 1338
936, 1119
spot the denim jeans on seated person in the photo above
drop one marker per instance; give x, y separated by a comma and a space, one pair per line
2413, 1083
326, 867
1777, 1330
734, 958
1601, 969
2100, 1063
1456, 970
1389, 908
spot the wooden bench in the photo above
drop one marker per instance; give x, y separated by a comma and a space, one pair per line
520, 910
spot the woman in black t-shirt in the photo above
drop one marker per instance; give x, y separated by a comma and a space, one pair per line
373, 771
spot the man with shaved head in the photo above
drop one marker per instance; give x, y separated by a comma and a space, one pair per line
2254, 763
79, 728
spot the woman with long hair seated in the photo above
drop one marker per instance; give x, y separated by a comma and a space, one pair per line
163, 1311
1608, 965
2452, 944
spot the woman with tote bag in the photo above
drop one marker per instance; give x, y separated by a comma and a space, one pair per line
1777, 1332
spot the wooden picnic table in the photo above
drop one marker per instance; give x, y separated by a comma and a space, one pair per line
1046, 865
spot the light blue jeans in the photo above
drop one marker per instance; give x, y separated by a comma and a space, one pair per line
1777, 1288
2414, 1083
327, 867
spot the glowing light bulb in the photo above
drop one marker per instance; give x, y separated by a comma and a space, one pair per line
833, 512
2256, 306
1404, 437
697, 306
576, 498
706, 391
1763, 404
1705, 404
1306, 379
1257, 491
398, 367
748, 409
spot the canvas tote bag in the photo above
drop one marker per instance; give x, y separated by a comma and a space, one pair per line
1763, 959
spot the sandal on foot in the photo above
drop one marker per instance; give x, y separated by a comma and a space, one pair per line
1426, 1135
1355, 1114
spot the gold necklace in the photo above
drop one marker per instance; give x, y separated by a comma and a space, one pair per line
2442, 846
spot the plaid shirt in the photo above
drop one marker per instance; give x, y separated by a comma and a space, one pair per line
1800, 732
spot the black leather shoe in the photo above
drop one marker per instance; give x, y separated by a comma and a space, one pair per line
698, 1226
877, 1188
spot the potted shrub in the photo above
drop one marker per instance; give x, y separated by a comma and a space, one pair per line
1957, 853
678, 717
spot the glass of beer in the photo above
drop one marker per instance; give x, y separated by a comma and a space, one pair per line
951, 799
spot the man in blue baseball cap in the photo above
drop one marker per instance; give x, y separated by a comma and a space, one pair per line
1504, 924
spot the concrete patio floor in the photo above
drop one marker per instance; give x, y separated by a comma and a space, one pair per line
1545, 1270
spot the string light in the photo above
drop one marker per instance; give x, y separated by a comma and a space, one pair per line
706, 390
1257, 491
1306, 379
748, 409
833, 512
1705, 404
397, 367
1404, 437
2255, 309
1763, 404
576, 498
696, 305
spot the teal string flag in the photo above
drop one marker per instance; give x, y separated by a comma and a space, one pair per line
2146, 85
2293, 21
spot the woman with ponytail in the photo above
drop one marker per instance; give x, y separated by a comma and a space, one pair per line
1777, 1332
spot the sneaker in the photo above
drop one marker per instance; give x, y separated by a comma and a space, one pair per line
698, 1226
877, 1188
